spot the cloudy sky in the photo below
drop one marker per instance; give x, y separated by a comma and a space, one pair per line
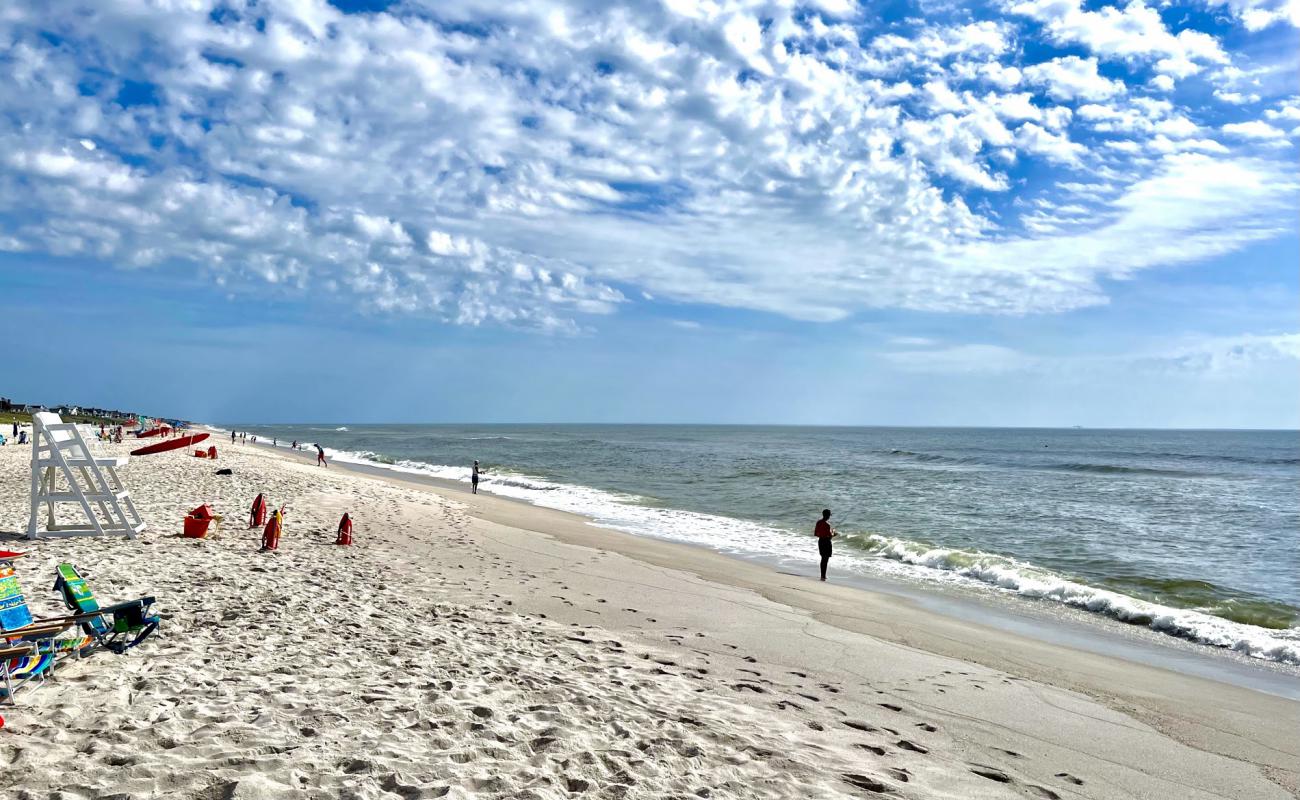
1028, 212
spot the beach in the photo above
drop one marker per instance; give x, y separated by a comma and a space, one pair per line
475, 646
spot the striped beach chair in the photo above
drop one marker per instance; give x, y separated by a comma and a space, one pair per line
29, 648
130, 622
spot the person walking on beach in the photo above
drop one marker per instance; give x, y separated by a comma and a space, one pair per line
824, 533
320, 456
473, 479
232, 437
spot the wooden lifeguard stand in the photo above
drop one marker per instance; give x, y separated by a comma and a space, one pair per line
65, 471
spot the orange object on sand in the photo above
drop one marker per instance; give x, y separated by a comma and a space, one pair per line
345, 531
196, 524
200, 454
271, 533
212, 451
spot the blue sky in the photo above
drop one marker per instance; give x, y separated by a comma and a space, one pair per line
1034, 212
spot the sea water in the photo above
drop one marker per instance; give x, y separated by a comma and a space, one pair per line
1191, 533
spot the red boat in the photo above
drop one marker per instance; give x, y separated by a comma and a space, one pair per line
170, 444
153, 432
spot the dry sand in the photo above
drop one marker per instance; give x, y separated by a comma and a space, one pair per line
476, 647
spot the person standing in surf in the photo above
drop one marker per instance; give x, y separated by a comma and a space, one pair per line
320, 457
473, 479
824, 533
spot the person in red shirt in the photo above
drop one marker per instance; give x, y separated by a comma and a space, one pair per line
824, 533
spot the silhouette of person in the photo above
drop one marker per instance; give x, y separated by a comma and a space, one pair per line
824, 533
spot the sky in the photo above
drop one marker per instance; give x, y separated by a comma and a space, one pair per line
1020, 213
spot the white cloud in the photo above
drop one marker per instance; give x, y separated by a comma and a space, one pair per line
1073, 78
1254, 129
1256, 15
1224, 356
527, 164
1134, 31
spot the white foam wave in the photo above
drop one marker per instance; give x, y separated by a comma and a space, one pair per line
341, 428
897, 557
1028, 581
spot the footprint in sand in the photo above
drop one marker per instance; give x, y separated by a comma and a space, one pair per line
991, 773
899, 774
864, 782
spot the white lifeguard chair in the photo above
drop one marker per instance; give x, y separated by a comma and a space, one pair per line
59, 450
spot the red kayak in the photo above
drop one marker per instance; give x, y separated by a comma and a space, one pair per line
170, 444
154, 432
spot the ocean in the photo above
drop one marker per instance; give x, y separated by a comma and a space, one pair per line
1195, 534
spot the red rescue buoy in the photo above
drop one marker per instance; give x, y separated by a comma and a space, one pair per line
212, 451
271, 533
345, 531
257, 514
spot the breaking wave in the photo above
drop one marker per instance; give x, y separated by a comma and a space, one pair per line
1227, 624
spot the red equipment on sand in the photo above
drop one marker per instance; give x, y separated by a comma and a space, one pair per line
271, 533
212, 451
345, 531
257, 514
196, 524
170, 444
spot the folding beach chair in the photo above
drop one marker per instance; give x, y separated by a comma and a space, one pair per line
131, 623
19, 663
29, 647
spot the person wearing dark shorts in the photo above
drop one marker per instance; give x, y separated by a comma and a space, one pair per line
473, 479
824, 533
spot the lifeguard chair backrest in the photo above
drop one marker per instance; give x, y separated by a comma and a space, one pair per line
14, 613
42, 421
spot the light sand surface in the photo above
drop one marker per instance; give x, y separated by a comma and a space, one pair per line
470, 646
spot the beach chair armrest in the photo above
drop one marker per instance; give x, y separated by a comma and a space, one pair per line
37, 630
75, 619
128, 605
16, 650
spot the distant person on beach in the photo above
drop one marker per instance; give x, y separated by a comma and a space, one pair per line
232, 437
473, 479
824, 533
320, 456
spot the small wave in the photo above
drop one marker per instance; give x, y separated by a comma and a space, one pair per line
1118, 469
1221, 457
1032, 582
929, 458
486, 438
341, 428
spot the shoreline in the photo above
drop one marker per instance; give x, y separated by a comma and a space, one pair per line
498, 649
1055, 624
1183, 706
